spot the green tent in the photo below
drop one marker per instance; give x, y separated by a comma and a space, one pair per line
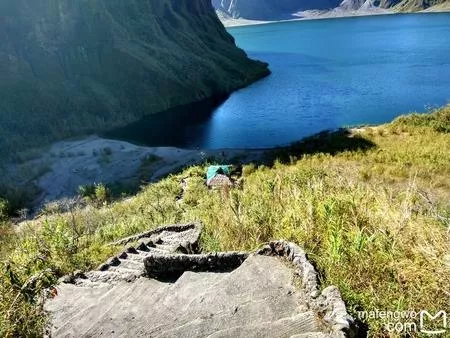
217, 170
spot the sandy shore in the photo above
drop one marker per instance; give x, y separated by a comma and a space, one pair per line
307, 15
330, 14
66, 165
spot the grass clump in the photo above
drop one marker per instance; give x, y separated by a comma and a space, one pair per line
439, 121
97, 194
370, 208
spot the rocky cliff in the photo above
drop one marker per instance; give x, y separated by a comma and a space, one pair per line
283, 9
73, 67
397, 5
268, 9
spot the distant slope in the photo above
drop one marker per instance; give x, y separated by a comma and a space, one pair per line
285, 9
398, 5
443, 7
73, 67
268, 9
418, 5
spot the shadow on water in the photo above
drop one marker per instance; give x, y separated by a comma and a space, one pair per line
327, 142
170, 127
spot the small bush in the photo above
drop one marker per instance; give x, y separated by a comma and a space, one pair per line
98, 194
101, 193
107, 151
86, 191
4, 209
248, 169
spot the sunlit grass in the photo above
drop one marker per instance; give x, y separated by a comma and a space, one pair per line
374, 220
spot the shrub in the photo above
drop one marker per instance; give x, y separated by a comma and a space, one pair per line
439, 120
248, 169
86, 191
4, 209
107, 151
97, 193
101, 193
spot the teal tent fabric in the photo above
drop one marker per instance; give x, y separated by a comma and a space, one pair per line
216, 170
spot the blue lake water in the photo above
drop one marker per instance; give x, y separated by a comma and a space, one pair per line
328, 74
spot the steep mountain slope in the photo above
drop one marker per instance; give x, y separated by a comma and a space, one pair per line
283, 9
417, 5
399, 5
69, 68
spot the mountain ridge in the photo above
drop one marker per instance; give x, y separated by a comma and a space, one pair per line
286, 9
76, 68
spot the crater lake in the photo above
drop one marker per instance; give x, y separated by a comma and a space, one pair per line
326, 74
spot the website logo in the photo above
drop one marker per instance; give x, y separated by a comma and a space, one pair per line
425, 322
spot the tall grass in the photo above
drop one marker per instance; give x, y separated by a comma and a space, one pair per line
375, 220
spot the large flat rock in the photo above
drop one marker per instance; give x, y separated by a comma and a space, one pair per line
161, 286
261, 298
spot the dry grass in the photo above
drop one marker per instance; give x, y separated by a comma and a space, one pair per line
371, 209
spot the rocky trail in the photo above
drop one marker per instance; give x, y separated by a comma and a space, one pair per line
160, 286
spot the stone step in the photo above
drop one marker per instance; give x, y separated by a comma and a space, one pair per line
132, 264
138, 257
110, 276
261, 297
122, 270
167, 248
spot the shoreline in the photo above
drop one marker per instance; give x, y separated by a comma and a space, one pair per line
237, 23
60, 169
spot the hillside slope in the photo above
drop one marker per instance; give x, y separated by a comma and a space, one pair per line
370, 207
69, 68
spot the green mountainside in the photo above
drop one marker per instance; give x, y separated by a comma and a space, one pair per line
74, 67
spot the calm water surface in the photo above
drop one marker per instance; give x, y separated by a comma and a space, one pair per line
329, 74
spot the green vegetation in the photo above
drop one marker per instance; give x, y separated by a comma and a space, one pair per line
15, 199
98, 194
108, 64
4, 209
371, 208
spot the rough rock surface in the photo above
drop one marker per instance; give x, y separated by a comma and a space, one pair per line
264, 296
